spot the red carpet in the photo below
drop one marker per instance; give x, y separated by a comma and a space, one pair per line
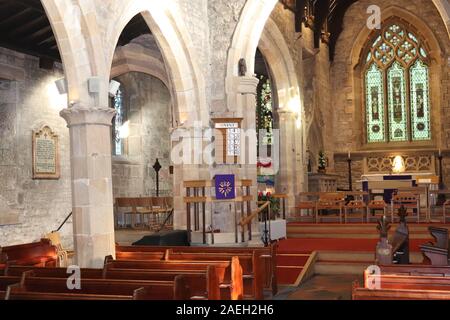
294, 253
332, 244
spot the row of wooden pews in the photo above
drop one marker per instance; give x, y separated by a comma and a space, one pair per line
405, 282
258, 264
148, 273
41, 253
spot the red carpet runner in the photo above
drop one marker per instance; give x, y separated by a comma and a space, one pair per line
294, 253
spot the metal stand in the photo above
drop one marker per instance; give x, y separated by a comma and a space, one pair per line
157, 167
350, 182
441, 197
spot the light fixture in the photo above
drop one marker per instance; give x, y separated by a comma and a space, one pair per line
61, 85
398, 166
113, 88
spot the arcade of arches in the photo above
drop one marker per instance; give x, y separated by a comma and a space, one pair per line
106, 101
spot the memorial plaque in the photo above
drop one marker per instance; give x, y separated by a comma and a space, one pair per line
45, 154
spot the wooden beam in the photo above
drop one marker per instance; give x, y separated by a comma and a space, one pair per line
37, 23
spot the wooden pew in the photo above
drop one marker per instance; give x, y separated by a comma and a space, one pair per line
200, 284
268, 267
41, 253
16, 292
17, 271
439, 252
359, 293
389, 281
416, 270
152, 290
5, 282
229, 273
251, 263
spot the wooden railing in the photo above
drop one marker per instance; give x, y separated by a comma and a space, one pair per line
248, 220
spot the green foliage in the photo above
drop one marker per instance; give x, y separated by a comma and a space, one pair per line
322, 160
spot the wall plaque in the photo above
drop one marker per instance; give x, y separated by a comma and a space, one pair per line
45, 154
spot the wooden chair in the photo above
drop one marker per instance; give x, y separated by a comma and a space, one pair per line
64, 256
355, 205
408, 200
144, 208
330, 201
160, 209
309, 206
376, 205
126, 203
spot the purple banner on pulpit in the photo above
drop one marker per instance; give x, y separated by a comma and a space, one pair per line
225, 187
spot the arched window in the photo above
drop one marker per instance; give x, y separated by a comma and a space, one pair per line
119, 120
396, 83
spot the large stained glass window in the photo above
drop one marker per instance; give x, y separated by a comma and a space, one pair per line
396, 83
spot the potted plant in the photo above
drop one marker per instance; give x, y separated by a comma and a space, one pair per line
322, 163
274, 204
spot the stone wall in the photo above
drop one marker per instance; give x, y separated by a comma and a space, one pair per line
28, 102
348, 108
148, 108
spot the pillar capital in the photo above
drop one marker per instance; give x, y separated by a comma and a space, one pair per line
247, 85
80, 115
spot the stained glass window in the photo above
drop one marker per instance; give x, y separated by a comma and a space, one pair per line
118, 146
396, 83
375, 104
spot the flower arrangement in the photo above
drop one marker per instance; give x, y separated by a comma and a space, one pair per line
264, 196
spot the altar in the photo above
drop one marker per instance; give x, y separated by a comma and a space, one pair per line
382, 186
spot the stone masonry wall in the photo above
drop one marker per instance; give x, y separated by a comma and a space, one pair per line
348, 116
148, 107
26, 105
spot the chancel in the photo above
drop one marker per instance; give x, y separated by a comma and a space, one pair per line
224, 150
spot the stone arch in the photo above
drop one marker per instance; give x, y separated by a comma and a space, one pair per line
187, 82
76, 37
128, 60
435, 53
443, 7
289, 105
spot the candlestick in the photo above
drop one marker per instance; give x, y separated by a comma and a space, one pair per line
349, 155
440, 152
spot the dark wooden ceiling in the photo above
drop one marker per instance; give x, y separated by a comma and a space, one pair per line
328, 15
24, 27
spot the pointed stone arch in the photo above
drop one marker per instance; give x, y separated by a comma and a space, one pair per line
171, 35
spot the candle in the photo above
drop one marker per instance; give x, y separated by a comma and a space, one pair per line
349, 155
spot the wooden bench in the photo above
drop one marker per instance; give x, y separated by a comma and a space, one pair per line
251, 263
198, 284
41, 253
424, 270
268, 256
390, 281
150, 290
229, 273
5, 282
330, 201
359, 293
439, 252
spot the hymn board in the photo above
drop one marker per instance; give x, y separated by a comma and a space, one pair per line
45, 154
228, 140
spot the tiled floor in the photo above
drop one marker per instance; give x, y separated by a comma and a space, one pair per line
321, 287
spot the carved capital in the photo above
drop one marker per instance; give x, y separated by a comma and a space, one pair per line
77, 116
247, 85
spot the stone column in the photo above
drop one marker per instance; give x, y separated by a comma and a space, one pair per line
92, 197
286, 178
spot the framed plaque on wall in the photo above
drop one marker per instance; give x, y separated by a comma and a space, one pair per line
45, 154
